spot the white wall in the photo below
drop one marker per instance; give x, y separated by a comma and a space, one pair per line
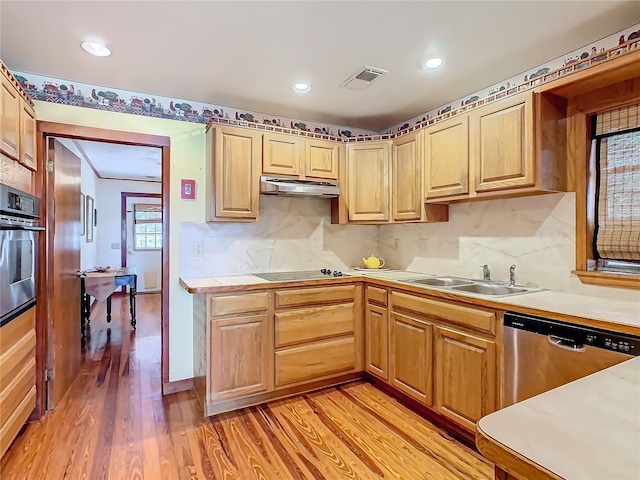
108, 204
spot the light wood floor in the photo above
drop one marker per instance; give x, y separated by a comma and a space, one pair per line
114, 424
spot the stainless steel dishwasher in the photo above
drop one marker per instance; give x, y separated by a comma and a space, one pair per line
541, 354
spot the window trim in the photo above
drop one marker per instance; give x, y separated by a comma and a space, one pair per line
581, 160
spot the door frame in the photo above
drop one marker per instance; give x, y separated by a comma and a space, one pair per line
62, 130
123, 223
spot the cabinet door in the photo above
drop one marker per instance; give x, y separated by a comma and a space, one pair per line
368, 181
376, 332
239, 356
27, 135
411, 357
321, 159
281, 154
236, 160
407, 177
502, 149
447, 158
465, 379
9, 119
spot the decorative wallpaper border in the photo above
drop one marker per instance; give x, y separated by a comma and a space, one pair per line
78, 94
67, 92
560, 66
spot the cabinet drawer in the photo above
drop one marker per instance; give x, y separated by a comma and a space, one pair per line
314, 360
476, 318
303, 325
14, 360
250, 302
13, 393
377, 295
12, 426
309, 296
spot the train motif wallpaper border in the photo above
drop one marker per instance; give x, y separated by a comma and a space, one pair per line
67, 92
576, 57
78, 94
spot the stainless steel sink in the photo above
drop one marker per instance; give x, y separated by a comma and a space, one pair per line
438, 281
468, 285
490, 289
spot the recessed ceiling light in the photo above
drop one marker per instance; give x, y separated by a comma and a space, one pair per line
301, 87
435, 62
95, 48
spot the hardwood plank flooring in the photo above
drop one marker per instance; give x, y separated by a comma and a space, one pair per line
115, 424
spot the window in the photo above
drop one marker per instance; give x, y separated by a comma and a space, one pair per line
147, 226
615, 164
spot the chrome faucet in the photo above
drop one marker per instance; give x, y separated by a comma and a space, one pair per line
486, 273
512, 275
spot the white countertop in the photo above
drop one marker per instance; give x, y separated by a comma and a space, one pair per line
582, 306
588, 429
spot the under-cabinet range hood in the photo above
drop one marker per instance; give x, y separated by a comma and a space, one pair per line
288, 187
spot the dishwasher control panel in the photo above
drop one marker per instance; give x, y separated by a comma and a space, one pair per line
574, 335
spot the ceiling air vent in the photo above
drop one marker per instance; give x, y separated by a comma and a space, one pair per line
363, 78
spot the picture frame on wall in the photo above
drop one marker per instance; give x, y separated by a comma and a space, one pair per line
89, 219
83, 225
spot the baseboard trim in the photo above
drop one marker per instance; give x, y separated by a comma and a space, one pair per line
177, 386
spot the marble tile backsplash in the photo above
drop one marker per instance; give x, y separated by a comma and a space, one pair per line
291, 234
536, 233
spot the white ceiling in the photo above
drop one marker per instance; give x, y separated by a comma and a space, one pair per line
120, 162
247, 54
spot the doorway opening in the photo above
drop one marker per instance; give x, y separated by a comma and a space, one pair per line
109, 167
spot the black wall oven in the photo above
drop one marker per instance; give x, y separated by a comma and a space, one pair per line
18, 227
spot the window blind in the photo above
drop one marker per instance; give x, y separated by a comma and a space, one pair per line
617, 233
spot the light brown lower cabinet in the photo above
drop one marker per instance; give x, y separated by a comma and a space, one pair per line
315, 360
239, 356
17, 376
465, 376
411, 356
376, 332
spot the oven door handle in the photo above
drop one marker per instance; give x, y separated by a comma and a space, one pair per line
23, 228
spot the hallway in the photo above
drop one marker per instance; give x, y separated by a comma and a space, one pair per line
115, 424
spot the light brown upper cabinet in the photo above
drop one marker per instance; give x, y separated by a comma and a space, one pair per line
291, 156
502, 144
17, 124
281, 154
27, 135
447, 158
321, 159
233, 178
368, 175
9, 119
406, 187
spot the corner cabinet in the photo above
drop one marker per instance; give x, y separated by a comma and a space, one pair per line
368, 176
502, 149
406, 187
233, 174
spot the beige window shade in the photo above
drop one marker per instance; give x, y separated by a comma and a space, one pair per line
618, 206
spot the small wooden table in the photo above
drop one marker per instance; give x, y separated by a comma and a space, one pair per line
107, 283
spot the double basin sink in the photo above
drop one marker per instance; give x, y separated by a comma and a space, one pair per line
467, 285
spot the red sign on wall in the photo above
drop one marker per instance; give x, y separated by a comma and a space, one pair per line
188, 189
